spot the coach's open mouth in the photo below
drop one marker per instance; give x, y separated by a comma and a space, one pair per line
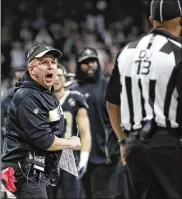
49, 76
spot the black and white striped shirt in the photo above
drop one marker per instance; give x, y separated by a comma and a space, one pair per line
147, 81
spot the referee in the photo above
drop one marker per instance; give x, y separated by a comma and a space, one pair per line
145, 95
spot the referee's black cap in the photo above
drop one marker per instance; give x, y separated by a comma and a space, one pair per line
164, 10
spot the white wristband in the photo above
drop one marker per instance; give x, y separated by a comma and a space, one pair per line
84, 156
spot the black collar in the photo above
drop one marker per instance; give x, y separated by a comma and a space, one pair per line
164, 33
28, 78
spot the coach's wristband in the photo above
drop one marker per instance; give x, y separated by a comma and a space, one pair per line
120, 142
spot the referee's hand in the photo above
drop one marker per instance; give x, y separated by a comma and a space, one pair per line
122, 152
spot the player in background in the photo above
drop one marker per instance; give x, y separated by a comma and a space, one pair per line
101, 178
76, 122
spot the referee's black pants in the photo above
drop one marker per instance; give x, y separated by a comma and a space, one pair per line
69, 187
155, 168
101, 180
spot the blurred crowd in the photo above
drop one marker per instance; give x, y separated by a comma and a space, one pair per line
69, 25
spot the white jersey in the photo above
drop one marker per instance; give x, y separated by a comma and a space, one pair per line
147, 76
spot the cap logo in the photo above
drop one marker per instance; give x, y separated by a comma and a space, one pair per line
36, 111
88, 52
31, 51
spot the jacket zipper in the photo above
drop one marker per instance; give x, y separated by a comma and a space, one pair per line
61, 114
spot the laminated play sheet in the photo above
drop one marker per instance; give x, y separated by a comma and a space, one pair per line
67, 162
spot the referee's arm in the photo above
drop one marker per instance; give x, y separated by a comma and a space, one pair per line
179, 81
113, 103
179, 89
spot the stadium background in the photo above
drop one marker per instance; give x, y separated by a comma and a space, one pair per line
68, 25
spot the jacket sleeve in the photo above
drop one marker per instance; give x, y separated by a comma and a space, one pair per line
114, 87
81, 101
4, 106
35, 123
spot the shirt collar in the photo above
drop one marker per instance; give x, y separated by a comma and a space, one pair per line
164, 33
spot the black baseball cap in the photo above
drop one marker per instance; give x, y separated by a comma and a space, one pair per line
41, 50
87, 53
164, 10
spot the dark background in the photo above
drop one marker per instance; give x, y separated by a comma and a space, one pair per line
68, 25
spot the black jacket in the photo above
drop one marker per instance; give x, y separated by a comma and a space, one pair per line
31, 122
4, 107
105, 148
5, 103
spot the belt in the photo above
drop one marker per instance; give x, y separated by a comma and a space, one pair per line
15, 165
175, 132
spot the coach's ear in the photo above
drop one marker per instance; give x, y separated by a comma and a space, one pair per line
30, 70
151, 20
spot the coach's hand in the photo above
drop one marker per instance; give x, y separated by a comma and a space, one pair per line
122, 152
75, 143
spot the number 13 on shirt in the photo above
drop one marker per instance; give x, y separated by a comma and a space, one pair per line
143, 62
